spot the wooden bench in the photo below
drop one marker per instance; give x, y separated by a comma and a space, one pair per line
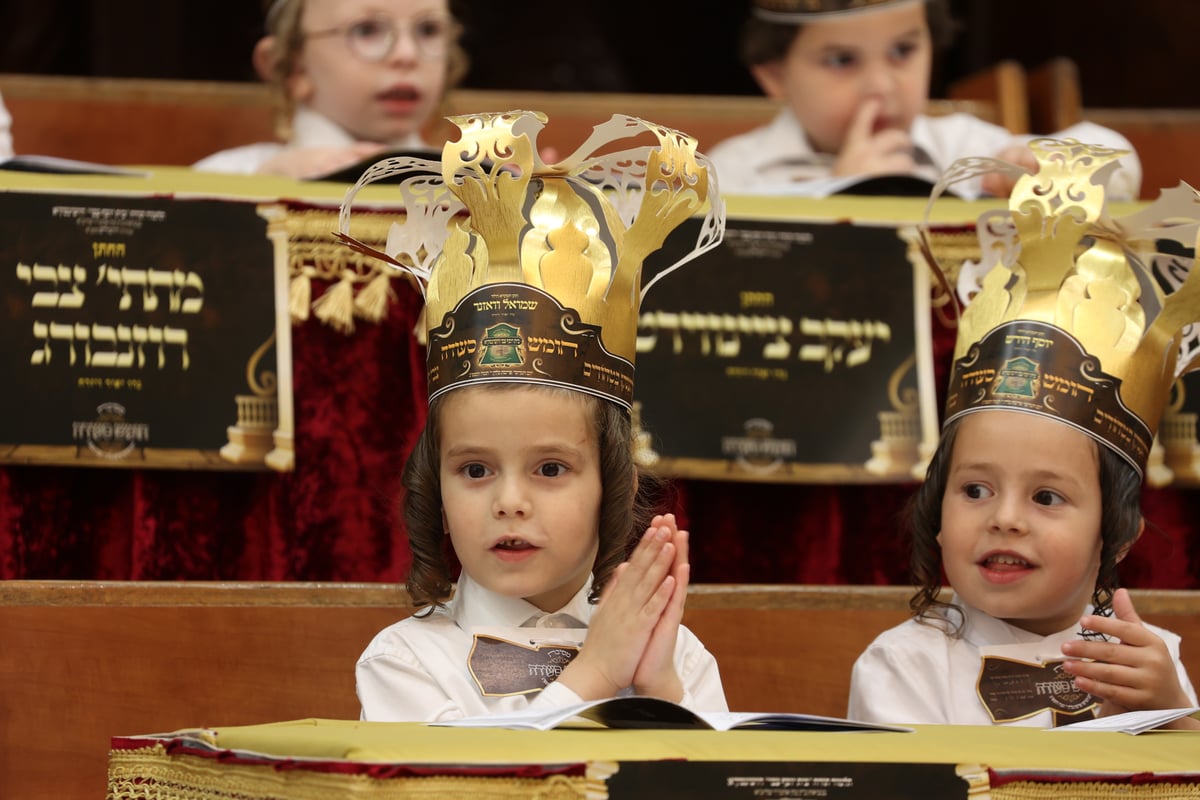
174, 122
84, 661
1167, 141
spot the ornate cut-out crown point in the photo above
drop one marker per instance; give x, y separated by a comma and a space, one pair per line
1076, 315
532, 271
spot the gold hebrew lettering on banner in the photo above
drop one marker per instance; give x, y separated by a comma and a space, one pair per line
803, 350
137, 326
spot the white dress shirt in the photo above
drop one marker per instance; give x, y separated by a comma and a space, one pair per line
416, 669
777, 157
309, 129
914, 674
6, 145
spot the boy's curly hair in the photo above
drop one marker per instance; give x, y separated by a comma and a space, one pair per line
1120, 524
626, 505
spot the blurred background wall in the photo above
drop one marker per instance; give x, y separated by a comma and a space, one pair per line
1131, 53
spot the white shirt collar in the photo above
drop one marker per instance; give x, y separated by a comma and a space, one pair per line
784, 141
474, 606
311, 129
982, 629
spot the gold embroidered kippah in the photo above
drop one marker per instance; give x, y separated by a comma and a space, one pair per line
532, 271
801, 11
1075, 315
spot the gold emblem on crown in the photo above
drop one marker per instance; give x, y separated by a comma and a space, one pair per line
532, 272
1073, 314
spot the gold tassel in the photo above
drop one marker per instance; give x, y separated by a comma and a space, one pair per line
371, 303
336, 307
299, 296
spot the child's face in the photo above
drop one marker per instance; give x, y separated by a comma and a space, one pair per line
1021, 518
375, 101
521, 489
835, 66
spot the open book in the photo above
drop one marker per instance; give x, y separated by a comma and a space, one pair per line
352, 172
1131, 722
64, 166
889, 185
651, 712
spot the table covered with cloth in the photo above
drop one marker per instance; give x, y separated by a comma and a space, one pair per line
319, 758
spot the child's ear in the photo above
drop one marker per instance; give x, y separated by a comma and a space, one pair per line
265, 56
1125, 550
770, 78
266, 60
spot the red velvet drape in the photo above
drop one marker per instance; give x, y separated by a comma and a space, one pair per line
360, 403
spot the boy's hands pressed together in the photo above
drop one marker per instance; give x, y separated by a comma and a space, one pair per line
868, 151
656, 675
1134, 674
626, 618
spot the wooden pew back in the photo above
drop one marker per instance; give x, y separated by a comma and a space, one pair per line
133, 121
175, 122
85, 661
1167, 141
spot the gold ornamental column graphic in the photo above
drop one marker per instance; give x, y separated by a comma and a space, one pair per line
283, 456
252, 437
1180, 450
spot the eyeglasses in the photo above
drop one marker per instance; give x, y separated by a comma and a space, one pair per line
374, 38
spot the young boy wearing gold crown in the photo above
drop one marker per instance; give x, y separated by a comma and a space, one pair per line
1062, 370
853, 77
524, 474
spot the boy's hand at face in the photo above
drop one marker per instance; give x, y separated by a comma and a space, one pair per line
626, 617
1135, 674
867, 151
1001, 185
312, 162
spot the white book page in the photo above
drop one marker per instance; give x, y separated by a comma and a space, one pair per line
1131, 722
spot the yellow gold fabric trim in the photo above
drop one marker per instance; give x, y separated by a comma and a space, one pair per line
150, 774
1029, 790
998, 746
361, 286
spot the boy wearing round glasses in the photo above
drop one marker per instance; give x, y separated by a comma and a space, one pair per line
354, 78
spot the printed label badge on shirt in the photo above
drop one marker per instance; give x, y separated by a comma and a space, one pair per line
501, 667
1012, 690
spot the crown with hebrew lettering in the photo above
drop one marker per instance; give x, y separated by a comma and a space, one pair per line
1072, 314
801, 11
532, 272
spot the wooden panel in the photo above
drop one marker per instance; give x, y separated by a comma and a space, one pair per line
1004, 86
1055, 97
75, 677
84, 661
789, 659
126, 121
172, 122
1166, 140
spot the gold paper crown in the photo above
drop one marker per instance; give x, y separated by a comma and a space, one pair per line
1075, 315
541, 282
801, 11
